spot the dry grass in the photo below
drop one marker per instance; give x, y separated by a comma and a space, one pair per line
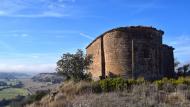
72, 88
81, 94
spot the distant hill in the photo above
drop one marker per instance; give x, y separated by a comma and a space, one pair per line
13, 75
7, 76
48, 77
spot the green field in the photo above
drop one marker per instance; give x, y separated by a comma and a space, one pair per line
10, 93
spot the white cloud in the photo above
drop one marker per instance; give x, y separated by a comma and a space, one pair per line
2, 13
181, 44
181, 40
20, 32
35, 8
63, 8
182, 47
21, 35
86, 36
24, 35
6, 46
41, 15
28, 68
35, 56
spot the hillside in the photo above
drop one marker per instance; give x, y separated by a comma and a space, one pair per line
5, 75
48, 77
119, 93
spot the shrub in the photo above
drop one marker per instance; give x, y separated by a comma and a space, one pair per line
175, 82
119, 84
159, 83
140, 80
96, 87
36, 97
111, 84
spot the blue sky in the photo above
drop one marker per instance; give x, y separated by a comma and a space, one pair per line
35, 33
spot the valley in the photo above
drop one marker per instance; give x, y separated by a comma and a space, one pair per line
16, 88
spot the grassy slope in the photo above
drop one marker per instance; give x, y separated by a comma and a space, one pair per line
12, 93
162, 93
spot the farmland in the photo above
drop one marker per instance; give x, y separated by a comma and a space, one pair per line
10, 88
10, 93
14, 89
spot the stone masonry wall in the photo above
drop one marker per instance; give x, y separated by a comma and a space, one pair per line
117, 48
112, 53
167, 61
95, 51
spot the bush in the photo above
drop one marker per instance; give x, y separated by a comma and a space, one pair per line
106, 85
112, 84
119, 84
174, 82
36, 97
96, 87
